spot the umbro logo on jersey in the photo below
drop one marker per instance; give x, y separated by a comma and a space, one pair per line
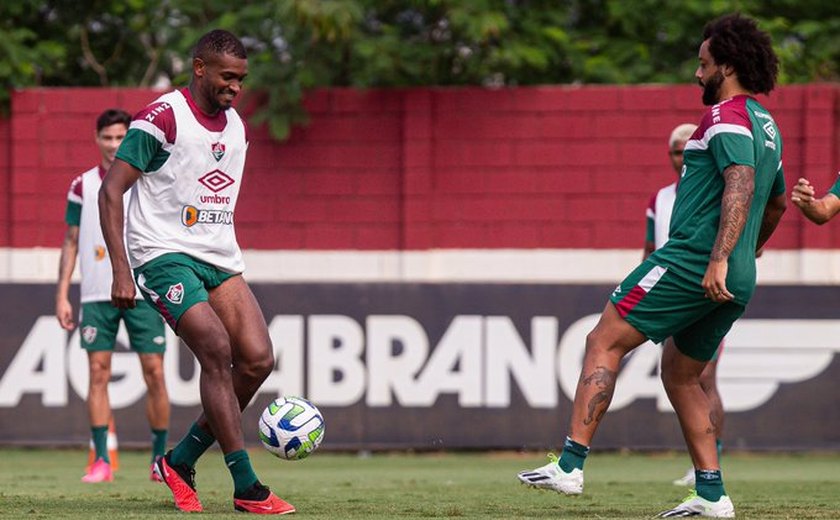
216, 181
175, 294
218, 150
769, 129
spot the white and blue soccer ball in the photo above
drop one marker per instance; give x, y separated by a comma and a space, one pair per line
291, 428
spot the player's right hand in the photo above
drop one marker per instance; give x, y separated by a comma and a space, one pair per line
123, 291
714, 282
64, 313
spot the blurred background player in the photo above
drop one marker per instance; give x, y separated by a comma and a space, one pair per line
184, 156
99, 320
692, 289
816, 210
658, 222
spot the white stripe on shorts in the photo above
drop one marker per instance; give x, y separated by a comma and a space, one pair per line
652, 278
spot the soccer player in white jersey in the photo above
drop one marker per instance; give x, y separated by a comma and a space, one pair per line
658, 221
184, 156
690, 291
99, 320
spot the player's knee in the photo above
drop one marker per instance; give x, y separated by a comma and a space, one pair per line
153, 374
100, 378
100, 373
594, 341
259, 369
600, 342
215, 355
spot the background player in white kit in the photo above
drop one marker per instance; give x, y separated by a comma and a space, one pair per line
658, 221
99, 320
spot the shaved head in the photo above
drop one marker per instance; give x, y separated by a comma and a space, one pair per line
218, 42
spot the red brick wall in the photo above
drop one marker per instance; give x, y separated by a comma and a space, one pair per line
547, 167
5, 181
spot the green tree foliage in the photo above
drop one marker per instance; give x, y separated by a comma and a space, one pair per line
298, 45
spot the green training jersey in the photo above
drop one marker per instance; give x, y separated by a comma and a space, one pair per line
737, 131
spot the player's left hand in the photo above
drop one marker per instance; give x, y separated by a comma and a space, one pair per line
803, 193
714, 282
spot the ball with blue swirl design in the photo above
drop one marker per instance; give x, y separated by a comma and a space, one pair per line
291, 428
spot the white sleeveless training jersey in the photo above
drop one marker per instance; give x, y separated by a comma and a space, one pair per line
94, 261
660, 211
185, 205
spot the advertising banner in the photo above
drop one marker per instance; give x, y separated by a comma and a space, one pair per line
443, 366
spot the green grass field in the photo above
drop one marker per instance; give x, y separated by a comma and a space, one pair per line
45, 484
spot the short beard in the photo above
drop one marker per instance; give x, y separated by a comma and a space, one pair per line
711, 89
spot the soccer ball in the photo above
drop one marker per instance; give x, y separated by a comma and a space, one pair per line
291, 428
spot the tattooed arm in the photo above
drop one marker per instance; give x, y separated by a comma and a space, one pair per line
734, 209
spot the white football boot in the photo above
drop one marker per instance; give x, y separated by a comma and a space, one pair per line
695, 505
551, 476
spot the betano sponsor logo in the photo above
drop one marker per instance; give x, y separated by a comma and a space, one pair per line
191, 216
478, 359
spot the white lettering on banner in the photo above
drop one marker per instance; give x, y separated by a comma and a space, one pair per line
397, 347
508, 358
455, 365
389, 361
336, 373
287, 337
47, 363
43, 347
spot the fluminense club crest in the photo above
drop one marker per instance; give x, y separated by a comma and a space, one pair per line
89, 334
218, 150
175, 294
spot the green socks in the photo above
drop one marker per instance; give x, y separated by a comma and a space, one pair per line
573, 456
158, 443
240, 469
100, 442
709, 484
192, 446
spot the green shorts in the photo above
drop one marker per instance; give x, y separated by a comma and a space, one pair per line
660, 303
100, 321
174, 282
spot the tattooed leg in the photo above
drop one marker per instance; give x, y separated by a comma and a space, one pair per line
610, 340
603, 380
